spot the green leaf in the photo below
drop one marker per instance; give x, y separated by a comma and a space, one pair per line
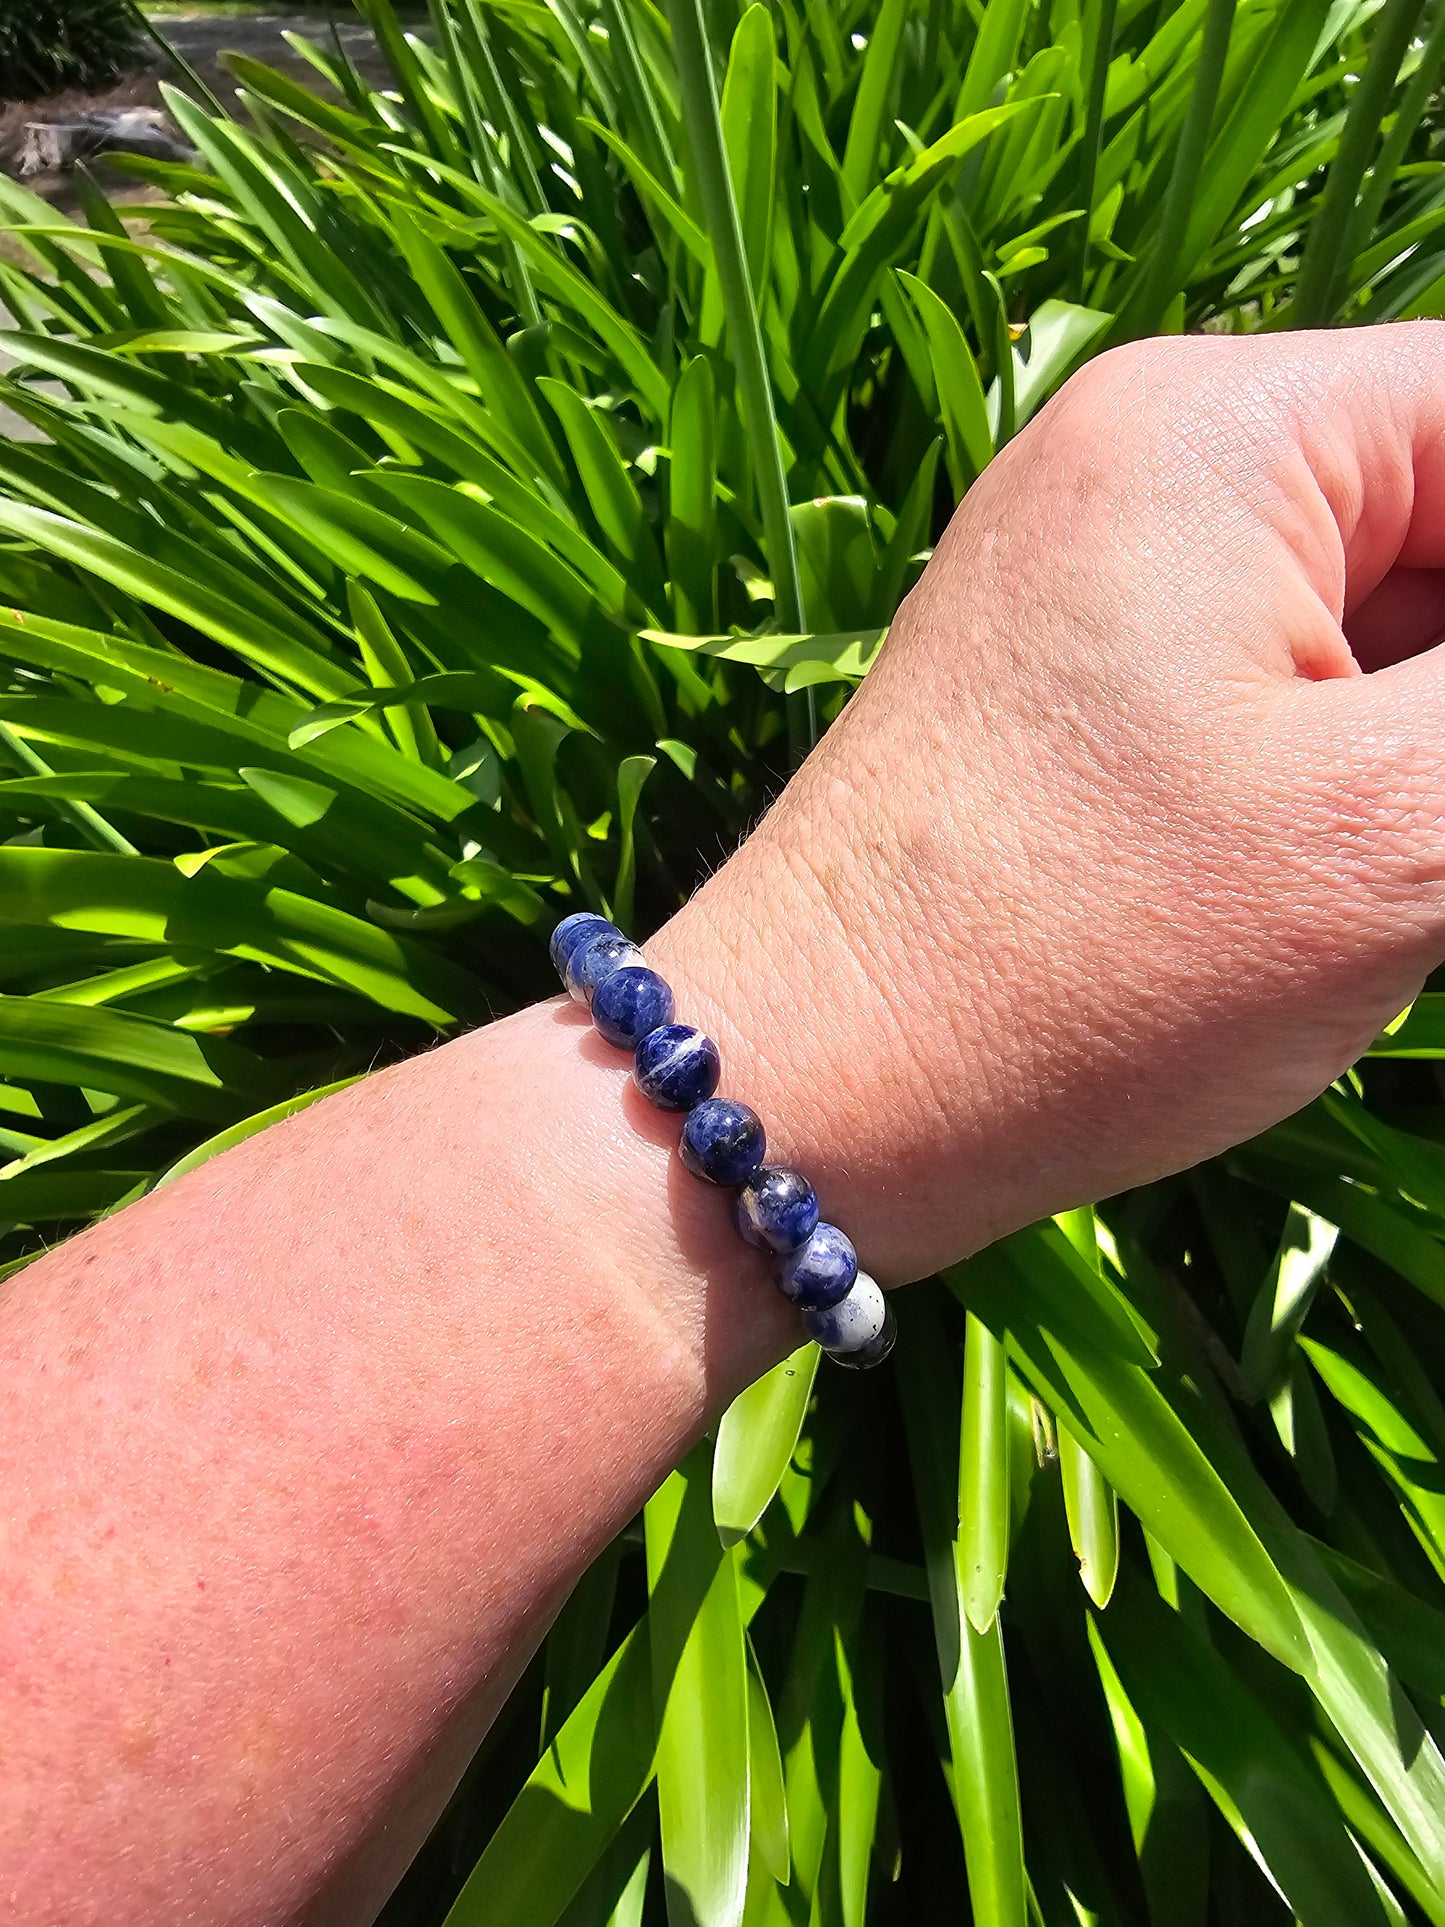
877, 85
360, 539
1285, 1296
700, 1688
983, 1475
868, 242
610, 490
712, 182
1093, 1515
573, 1803
503, 553
1253, 121
503, 389
47, 1197
755, 1443
984, 1777
692, 498
215, 597
767, 1798
850, 653
995, 53
1059, 336
1322, 264
632, 773
749, 123
961, 401
150, 900
1265, 1788
1136, 1437
837, 562
106, 1050
1417, 1032
1363, 1400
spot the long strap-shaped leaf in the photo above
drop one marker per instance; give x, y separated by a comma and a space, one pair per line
577, 1796
1156, 287
984, 1772
983, 1475
744, 335
1324, 263
700, 1690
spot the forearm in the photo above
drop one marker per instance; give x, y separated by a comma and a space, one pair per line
302, 1452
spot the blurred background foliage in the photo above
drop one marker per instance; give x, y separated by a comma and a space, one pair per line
464, 500
47, 45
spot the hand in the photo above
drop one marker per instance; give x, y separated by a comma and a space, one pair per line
1117, 857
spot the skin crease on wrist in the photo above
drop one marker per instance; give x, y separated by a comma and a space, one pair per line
1115, 859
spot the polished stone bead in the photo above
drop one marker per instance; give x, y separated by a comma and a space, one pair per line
872, 1353
596, 958
776, 1209
820, 1271
676, 1067
575, 930
858, 1329
629, 1003
722, 1140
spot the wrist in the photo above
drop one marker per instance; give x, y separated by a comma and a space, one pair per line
697, 1301
763, 960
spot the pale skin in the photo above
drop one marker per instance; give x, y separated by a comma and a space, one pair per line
1116, 858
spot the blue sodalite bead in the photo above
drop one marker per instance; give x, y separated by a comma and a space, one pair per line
820, 1271
722, 1140
573, 931
776, 1209
859, 1329
597, 957
629, 1003
676, 1067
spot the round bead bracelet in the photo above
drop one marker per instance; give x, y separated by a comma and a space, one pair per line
677, 1069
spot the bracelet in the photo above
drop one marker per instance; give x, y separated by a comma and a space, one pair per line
677, 1069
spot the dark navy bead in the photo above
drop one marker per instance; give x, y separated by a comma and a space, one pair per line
721, 1140
676, 1067
574, 930
776, 1209
820, 1271
858, 1329
597, 957
631, 1002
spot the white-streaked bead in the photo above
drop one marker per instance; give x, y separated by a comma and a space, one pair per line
854, 1322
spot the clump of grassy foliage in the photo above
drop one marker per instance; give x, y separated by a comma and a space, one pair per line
49, 45
465, 502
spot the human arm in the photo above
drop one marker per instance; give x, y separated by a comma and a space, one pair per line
1114, 860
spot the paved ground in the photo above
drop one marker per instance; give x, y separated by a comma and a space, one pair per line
201, 41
